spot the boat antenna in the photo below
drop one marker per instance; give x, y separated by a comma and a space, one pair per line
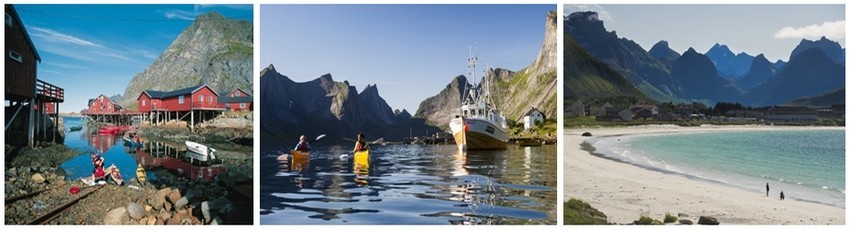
473, 61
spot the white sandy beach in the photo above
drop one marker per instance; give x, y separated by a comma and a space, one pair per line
624, 192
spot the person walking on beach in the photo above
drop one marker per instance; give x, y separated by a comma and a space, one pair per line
781, 195
767, 187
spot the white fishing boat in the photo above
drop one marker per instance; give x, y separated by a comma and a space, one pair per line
477, 124
199, 151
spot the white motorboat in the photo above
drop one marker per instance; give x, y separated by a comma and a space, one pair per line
200, 151
477, 124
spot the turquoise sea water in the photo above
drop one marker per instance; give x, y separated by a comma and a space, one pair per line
805, 164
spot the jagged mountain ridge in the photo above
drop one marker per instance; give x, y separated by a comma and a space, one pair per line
325, 106
810, 73
760, 71
214, 50
728, 64
699, 79
647, 73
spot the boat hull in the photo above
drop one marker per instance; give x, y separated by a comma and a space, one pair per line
199, 151
478, 134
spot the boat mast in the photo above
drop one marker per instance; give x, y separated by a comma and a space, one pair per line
473, 61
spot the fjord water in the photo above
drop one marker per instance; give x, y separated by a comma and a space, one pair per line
805, 164
410, 184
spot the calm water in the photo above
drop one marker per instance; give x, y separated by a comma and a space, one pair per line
410, 184
806, 164
155, 157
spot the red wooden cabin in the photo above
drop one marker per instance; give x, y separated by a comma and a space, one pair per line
238, 100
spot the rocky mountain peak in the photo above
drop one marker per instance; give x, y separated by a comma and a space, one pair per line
209, 16
214, 50
831, 48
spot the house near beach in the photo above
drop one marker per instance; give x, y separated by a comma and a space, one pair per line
790, 114
574, 110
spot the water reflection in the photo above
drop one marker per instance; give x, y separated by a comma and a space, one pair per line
409, 184
128, 154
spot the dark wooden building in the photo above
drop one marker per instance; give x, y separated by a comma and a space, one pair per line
24, 92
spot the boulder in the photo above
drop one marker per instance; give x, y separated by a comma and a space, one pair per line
707, 220
136, 211
157, 201
205, 210
686, 222
683, 215
216, 221
181, 203
116, 216
174, 196
37, 178
586, 134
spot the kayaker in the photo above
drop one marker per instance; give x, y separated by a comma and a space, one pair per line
302, 145
361, 143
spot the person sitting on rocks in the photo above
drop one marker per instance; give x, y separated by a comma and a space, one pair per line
97, 162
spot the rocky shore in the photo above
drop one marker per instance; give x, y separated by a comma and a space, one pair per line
170, 199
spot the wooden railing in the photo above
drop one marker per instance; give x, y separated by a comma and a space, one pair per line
49, 91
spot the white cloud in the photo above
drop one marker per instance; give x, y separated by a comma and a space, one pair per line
54, 36
603, 14
110, 54
831, 29
179, 14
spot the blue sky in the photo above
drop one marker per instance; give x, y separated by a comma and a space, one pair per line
410, 51
96, 49
770, 29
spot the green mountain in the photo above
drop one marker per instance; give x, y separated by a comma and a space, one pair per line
214, 50
586, 78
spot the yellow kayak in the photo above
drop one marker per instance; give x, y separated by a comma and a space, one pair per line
140, 174
362, 158
300, 159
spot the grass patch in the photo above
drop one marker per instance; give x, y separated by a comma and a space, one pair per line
645, 220
669, 218
577, 212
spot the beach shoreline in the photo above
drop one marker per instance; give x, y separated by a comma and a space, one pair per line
624, 191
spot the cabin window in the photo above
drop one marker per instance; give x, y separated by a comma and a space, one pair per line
143, 102
9, 20
242, 105
16, 56
180, 99
209, 98
201, 98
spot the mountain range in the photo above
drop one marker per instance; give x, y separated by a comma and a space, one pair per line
213, 50
719, 75
324, 106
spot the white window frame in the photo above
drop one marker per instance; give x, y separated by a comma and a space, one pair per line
143, 102
180, 99
242, 105
16, 56
210, 99
201, 99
